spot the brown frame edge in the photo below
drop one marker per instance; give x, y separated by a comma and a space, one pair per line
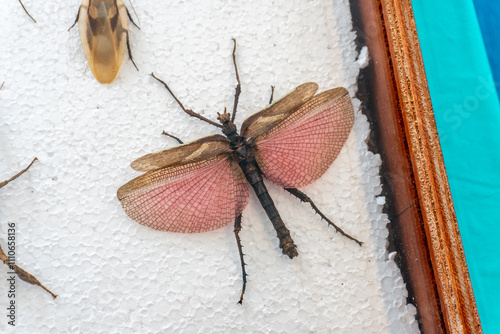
421, 211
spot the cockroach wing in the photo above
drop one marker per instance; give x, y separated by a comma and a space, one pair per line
300, 149
197, 195
103, 25
267, 118
197, 150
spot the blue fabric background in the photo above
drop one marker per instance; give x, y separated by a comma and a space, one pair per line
467, 114
488, 14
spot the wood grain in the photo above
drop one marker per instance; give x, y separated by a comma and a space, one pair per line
421, 208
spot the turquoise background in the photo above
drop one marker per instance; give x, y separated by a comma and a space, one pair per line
467, 111
488, 15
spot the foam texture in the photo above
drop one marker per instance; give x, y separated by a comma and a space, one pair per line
113, 275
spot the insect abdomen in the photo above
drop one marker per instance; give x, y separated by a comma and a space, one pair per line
254, 177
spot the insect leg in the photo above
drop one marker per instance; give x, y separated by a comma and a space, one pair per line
4, 183
130, 18
172, 136
27, 11
76, 20
237, 229
130, 52
23, 274
187, 111
238, 86
304, 198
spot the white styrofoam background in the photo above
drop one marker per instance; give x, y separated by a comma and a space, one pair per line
116, 276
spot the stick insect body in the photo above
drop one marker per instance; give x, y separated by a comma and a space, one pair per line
203, 185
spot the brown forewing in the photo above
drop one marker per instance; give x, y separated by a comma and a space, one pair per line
264, 120
197, 150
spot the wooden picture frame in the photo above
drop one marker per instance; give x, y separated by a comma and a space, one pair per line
424, 228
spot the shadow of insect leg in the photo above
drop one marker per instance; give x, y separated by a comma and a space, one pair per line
238, 86
130, 18
130, 52
187, 111
237, 229
4, 183
304, 198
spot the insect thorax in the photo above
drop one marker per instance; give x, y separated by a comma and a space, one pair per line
238, 143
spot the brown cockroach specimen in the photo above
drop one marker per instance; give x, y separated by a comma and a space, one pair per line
104, 33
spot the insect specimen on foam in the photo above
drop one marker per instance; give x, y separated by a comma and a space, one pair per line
10, 260
26, 11
203, 185
104, 33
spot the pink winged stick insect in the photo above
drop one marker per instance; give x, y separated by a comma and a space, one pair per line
203, 185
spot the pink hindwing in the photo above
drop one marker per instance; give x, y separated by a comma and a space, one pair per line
192, 195
199, 186
300, 149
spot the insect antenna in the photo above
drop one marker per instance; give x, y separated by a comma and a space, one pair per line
187, 111
238, 86
237, 229
27, 11
172, 136
304, 198
4, 183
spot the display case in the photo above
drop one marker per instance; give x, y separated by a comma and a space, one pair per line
423, 222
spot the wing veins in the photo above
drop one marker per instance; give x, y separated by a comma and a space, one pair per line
198, 189
294, 135
176, 200
307, 142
